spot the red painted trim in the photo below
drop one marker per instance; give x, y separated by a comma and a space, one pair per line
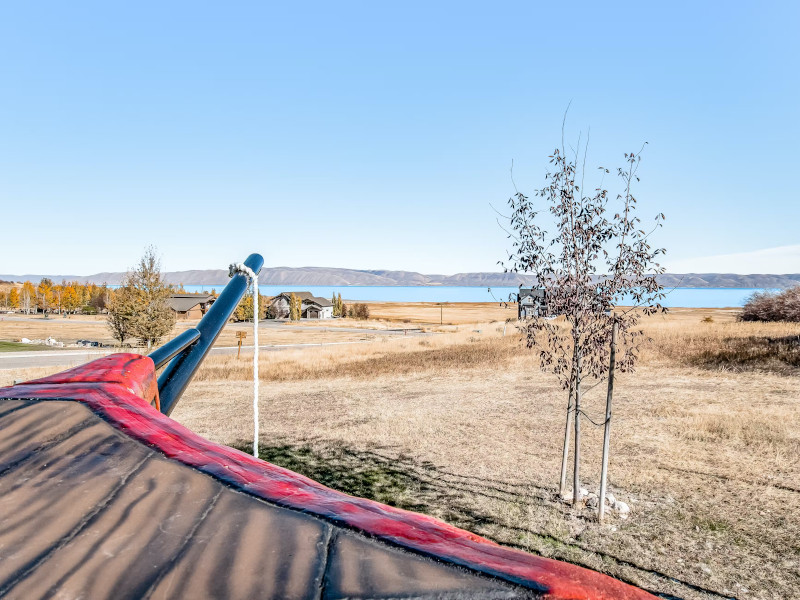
118, 388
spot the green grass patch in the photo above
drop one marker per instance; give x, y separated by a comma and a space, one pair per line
20, 347
358, 474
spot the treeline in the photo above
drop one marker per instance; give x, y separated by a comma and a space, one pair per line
772, 306
356, 311
64, 298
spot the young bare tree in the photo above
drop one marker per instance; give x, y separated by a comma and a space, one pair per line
595, 256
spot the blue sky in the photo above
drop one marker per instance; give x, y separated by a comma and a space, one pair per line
370, 135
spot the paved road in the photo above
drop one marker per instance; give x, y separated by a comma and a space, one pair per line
65, 358
73, 358
408, 331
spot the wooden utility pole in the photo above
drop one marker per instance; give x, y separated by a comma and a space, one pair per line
240, 335
607, 433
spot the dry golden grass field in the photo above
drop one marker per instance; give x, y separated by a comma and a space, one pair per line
461, 424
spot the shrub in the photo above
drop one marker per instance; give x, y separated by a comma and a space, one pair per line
360, 311
770, 306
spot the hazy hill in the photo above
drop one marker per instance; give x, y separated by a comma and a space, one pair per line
309, 276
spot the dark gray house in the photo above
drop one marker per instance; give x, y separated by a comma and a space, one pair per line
531, 302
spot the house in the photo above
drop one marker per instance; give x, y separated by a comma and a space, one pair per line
531, 302
190, 306
311, 307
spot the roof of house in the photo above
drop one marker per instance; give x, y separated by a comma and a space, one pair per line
535, 292
321, 302
186, 302
307, 297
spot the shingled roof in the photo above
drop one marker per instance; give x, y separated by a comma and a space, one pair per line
308, 297
186, 302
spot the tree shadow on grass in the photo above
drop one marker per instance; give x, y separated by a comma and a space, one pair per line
397, 480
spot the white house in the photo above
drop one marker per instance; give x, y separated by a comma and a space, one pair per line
311, 307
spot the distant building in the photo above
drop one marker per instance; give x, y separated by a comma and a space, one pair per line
531, 302
311, 307
190, 306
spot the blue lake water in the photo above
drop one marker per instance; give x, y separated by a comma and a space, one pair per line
678, 297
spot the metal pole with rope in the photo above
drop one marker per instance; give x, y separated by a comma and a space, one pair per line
253, 277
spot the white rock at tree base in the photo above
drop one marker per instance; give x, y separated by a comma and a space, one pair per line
621, 507
610, 499
584, 492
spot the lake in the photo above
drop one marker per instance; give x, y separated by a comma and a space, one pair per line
678, 297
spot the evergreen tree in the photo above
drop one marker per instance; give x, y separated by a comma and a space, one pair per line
155, 318
140, 306
121, 311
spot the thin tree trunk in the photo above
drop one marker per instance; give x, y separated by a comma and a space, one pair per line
607, 432
565, 453
576, 472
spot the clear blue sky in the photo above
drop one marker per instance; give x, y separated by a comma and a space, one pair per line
376, 136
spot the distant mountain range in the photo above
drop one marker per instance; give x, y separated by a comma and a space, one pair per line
311, 276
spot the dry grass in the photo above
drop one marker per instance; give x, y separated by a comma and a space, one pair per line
78, 327
724, 344
386, 356
8, 377
457, 313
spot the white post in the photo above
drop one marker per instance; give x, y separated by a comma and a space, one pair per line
255, 365
607, 432
562, 486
